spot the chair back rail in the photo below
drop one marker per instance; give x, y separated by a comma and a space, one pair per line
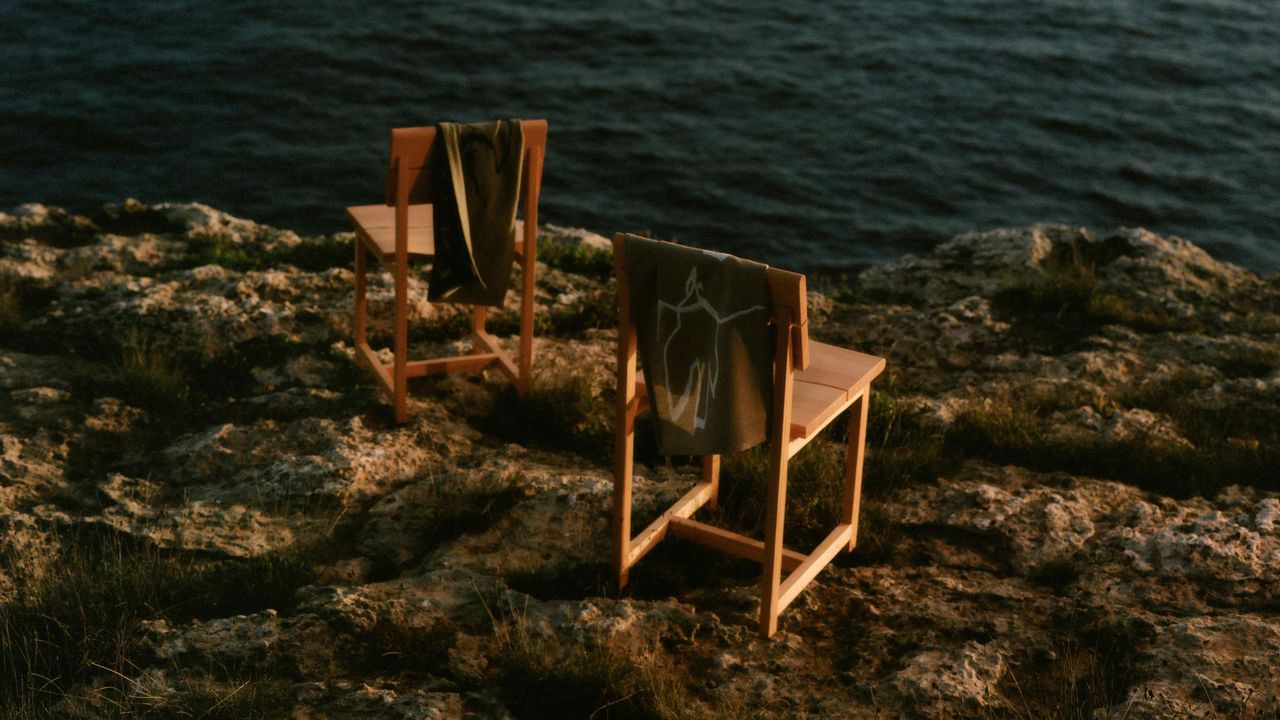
410, 162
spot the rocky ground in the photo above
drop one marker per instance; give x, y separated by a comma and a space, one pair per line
1073, 506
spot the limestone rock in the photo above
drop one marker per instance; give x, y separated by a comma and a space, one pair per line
240, 431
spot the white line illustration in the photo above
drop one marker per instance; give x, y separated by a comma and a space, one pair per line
704, 373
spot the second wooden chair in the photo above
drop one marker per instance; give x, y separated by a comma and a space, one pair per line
402, 229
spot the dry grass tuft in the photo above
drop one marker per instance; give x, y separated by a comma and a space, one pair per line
76, 622
1065, 303
545, 679
563, 410
150, 373
10, 306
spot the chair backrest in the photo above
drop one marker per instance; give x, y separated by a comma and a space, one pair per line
409, 169
790, 309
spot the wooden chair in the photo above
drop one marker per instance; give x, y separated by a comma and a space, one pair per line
812, 384
401, 229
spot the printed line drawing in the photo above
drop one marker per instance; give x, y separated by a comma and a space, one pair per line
704, 372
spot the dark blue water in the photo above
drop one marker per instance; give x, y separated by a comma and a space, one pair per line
808, 134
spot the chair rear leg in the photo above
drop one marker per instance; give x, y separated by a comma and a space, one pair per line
623, 468
526, 320
479, 315
711, 474
852, 501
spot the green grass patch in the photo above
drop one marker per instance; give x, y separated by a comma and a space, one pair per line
577, 258
216, 248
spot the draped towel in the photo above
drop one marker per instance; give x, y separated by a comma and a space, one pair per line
475, 184
702, 330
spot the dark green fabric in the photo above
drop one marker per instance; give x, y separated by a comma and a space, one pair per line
702, 330
475, 181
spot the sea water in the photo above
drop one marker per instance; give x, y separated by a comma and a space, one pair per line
806, 134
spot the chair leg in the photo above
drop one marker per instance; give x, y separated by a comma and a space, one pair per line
853, 464
622, 477
711, 474
361, 302
479, 314
774, 521
401, 376
526, 321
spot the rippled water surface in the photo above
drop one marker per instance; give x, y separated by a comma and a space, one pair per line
808, 134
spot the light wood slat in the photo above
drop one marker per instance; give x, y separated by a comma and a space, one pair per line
839, 367
730, 542
379, 370
376, 225
797, 443
812, 406
444, 366
817, 560
657, 530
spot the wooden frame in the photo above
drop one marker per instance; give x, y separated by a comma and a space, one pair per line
839, 387
405, 214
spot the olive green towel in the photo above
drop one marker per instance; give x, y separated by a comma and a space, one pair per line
702, 330
475, 185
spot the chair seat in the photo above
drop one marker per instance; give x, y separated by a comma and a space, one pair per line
834, 379
376, 227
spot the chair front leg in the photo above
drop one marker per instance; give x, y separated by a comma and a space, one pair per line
852, 501
623, 472
401, 375
774, 522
